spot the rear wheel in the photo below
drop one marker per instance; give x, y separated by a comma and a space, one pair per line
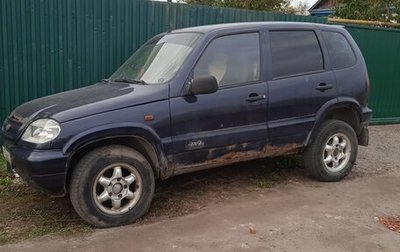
332, 154
112, 186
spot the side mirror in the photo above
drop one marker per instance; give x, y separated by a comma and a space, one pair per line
204, 85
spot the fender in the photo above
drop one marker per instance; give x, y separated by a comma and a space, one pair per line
340, 102
111, 130
117, 130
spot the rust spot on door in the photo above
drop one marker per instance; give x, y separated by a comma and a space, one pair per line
273, 151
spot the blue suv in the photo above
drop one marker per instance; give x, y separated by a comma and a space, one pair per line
193, 99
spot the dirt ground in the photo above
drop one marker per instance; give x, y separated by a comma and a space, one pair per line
268, 205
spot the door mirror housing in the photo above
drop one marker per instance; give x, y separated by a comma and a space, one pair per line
204, 85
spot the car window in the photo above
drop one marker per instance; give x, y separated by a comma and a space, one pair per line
231, 59
295, 52
340, 53
159, 59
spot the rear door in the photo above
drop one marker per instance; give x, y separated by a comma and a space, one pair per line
230, 124
301, 84
350, 76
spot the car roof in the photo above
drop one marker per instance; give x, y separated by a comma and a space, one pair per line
250, 25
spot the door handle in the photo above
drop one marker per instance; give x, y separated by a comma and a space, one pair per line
323, 87
255, 97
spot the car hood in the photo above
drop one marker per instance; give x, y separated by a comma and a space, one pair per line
90, 100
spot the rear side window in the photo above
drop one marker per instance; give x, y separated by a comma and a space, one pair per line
231, 59
340, 53
295, 52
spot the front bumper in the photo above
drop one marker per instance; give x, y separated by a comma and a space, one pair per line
44, 170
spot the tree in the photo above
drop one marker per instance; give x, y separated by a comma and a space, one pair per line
267, 5
300, 9
376, 10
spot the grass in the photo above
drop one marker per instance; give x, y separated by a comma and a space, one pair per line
267, 178
26, 214
5, 178
3, 167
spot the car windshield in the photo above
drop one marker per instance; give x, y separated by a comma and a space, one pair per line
158, 60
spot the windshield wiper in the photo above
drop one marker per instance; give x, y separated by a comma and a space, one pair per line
126, 80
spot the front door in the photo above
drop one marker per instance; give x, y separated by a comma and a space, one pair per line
229, 125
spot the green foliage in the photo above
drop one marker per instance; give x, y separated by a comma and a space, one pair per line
5, 178
265, 5
375, 10
266, 178
2, 161
5, 181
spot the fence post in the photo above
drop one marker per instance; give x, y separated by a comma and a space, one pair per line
167, 17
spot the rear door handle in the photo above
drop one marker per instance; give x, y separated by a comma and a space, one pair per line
256, 97
323, 87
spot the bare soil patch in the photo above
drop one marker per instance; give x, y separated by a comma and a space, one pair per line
26, 214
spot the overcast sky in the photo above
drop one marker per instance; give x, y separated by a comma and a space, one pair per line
294, 2
309, 2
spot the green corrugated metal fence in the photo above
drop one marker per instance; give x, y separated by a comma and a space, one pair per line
381, 49
47, 46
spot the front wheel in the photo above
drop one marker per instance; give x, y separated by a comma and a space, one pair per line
112, 186
332, 154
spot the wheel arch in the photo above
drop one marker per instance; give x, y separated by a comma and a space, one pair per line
143, 140
343, 109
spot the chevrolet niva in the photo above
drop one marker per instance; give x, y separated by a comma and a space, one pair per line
193, 99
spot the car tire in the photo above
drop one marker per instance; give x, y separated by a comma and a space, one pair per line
332, 154
112, 186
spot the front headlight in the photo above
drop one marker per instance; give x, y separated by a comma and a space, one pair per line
41, 131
